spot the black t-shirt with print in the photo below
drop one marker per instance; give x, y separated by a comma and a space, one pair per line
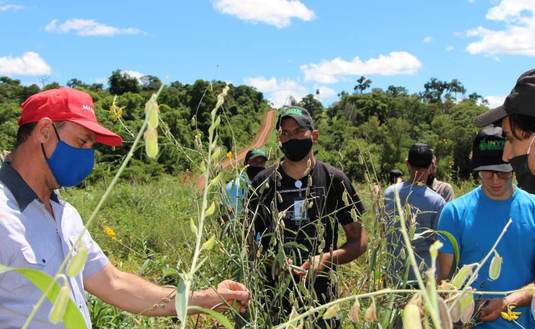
308, 206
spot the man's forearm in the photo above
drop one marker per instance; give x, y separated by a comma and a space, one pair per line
346, 253
520, 298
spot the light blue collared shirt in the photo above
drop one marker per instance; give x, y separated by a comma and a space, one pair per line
31, 238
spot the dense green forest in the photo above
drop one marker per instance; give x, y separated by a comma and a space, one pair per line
365, 131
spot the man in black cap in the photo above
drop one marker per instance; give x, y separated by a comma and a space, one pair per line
517, 116
425, 206
299, 203
477, 219
236, 190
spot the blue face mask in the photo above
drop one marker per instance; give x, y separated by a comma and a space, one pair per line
70, 165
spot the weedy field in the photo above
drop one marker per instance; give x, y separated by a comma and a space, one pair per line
144, 228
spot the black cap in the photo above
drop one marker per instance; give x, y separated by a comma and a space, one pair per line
420, 155
487, 150
299, 114
520, 101
255, 153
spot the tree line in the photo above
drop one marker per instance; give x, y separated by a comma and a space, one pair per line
363, 132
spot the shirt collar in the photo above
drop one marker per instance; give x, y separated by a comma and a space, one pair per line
22, 192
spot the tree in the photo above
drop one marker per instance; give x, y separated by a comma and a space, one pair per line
312, 105
150, 83
121, 83
363, 83
75, 83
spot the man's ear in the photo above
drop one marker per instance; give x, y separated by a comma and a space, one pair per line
43, 130
315, 135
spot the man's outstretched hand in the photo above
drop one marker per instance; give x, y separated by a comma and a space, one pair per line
228, 293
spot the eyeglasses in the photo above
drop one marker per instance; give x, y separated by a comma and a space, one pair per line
298, 132
502, 175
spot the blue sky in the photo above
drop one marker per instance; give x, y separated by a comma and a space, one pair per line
281, 47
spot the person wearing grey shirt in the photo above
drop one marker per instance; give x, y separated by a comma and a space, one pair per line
425, 206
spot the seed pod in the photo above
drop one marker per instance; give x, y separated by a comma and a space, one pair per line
455, 312
433, 250
279, 197
192, 226
354, 215
371, 314
467, 304
210, 211
216, 153
495, 266
331, 312
344, 198
151, 109
462, 275
310, 204
445, 317
77, 262
60, 305
411, 317
151, 142
209, 244
354, 312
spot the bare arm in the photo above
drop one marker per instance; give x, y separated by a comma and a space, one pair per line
445, 262
137, 295
355, 245
495, 306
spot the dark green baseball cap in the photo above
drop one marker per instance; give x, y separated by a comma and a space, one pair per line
255, 153
297, 113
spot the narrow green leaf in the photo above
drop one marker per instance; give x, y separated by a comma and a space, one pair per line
216, 315
455, 246
181, 301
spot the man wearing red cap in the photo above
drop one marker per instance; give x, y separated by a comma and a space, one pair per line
57, 131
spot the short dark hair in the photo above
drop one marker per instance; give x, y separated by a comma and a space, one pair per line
26, 130
524, 123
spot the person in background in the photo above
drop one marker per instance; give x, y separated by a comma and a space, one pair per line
236, 190
57, 132
477, 219
442, 188
425, 206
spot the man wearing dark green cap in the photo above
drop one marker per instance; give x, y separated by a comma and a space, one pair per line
236, 190
296, 206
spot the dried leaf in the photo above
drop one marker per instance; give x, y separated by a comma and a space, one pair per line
371, 313
354, 312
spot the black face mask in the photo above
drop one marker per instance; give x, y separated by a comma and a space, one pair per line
297, 149
430, 179
252, 171
526, 180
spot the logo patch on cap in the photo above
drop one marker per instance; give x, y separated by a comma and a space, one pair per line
87, 107
292, 111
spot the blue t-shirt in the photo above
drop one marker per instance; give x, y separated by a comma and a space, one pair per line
236, 191
425, 206
476, 221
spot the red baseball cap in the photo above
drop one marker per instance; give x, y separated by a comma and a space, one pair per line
66, 104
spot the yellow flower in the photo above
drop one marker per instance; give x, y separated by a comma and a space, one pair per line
510, 315
109, 232
229, 154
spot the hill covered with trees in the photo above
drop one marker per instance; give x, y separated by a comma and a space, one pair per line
364, 131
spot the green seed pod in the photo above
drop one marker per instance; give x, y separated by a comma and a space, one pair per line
77, 262
495, 266
60, 305
411, 317
467, 304
192, 226
354, 215
354, 312
462, 275
209, 244
216, 153
210, 211
151, 142
152, 109
331, 312
344, 198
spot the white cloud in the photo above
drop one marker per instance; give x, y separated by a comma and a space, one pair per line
29, 64
134, 74
278, 92
278, 13
329, 71
428, 39
518, 36
10, 7
450, 48
325, 92
88, 27
495, 101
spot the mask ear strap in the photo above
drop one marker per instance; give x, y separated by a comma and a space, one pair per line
57, 135
531, 143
